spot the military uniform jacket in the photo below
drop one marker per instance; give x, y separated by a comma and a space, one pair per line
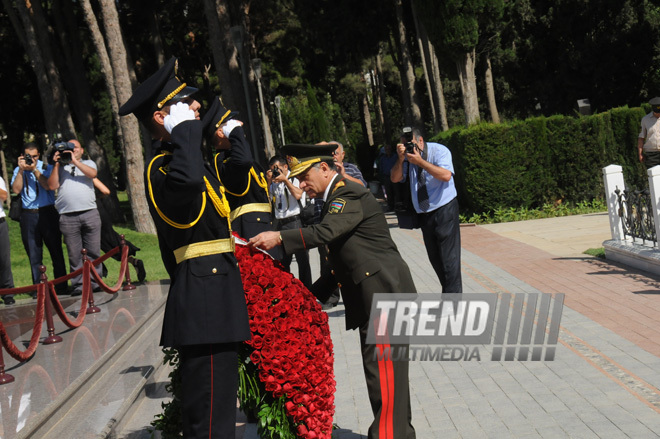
206, 302
243, 189
363, 257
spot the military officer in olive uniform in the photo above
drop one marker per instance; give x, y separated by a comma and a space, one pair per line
364, 261
205, 315
245, 185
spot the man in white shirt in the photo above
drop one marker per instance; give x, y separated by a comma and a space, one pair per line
287, 198
648, 141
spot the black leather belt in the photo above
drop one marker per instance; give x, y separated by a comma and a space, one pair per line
30, 210
289, 219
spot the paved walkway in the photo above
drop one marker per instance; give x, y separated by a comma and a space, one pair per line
603, 382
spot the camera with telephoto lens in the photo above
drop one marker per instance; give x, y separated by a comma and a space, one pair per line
63, 147
276, 172
408, 140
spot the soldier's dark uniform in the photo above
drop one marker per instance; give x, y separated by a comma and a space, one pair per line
243, 178
206, 313
364, 261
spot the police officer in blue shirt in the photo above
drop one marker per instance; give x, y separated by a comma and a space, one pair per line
39, 218
431, 177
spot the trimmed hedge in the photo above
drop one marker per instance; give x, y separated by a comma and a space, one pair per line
557, 159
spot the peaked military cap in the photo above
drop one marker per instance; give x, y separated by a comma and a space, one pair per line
160, 89
216, 115
301, 157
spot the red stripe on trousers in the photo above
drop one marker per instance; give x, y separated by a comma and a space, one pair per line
386, 377
211, 413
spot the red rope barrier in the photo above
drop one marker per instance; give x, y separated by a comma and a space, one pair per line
48, 287
123, 269
10, 347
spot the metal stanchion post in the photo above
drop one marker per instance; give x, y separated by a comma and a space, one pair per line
5, 378
129, 286
44, 288
92, 309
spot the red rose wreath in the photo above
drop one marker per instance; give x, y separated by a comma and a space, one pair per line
286, 370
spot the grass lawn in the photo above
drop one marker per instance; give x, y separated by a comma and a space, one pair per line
149, 253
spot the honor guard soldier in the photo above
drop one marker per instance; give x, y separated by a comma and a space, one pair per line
245, 185
206, 314
364, 261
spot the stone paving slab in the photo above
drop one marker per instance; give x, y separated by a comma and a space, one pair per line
603, 382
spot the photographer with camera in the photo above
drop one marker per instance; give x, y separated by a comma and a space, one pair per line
431, 177
39, 219
80, 222
288, 202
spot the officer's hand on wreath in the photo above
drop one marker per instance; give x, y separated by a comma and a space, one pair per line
265, 240
180, 112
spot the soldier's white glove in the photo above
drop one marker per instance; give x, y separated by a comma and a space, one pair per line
230, 125
179, 112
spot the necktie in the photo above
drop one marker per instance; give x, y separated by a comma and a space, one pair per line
422, 191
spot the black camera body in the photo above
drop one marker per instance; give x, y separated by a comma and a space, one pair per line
276, 172
62, 147
28, 159
407, 137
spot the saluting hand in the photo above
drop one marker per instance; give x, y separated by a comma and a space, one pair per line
179, 112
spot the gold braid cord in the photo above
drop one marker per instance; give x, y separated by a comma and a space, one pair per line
160, 213
260, 179
219, 201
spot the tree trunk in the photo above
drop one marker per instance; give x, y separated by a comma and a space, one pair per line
387, 125
465, 67
366, 120
437, 82
269, 146
432, 75
132, 146
228, 68
104, 59
56, 111
80, 95
261, 132
225, 55
154, 36
423, 51
378, 105
490, 90
410, 97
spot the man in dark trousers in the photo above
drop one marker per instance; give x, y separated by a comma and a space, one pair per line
433, 193
205, 315
365, 261
245, 184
